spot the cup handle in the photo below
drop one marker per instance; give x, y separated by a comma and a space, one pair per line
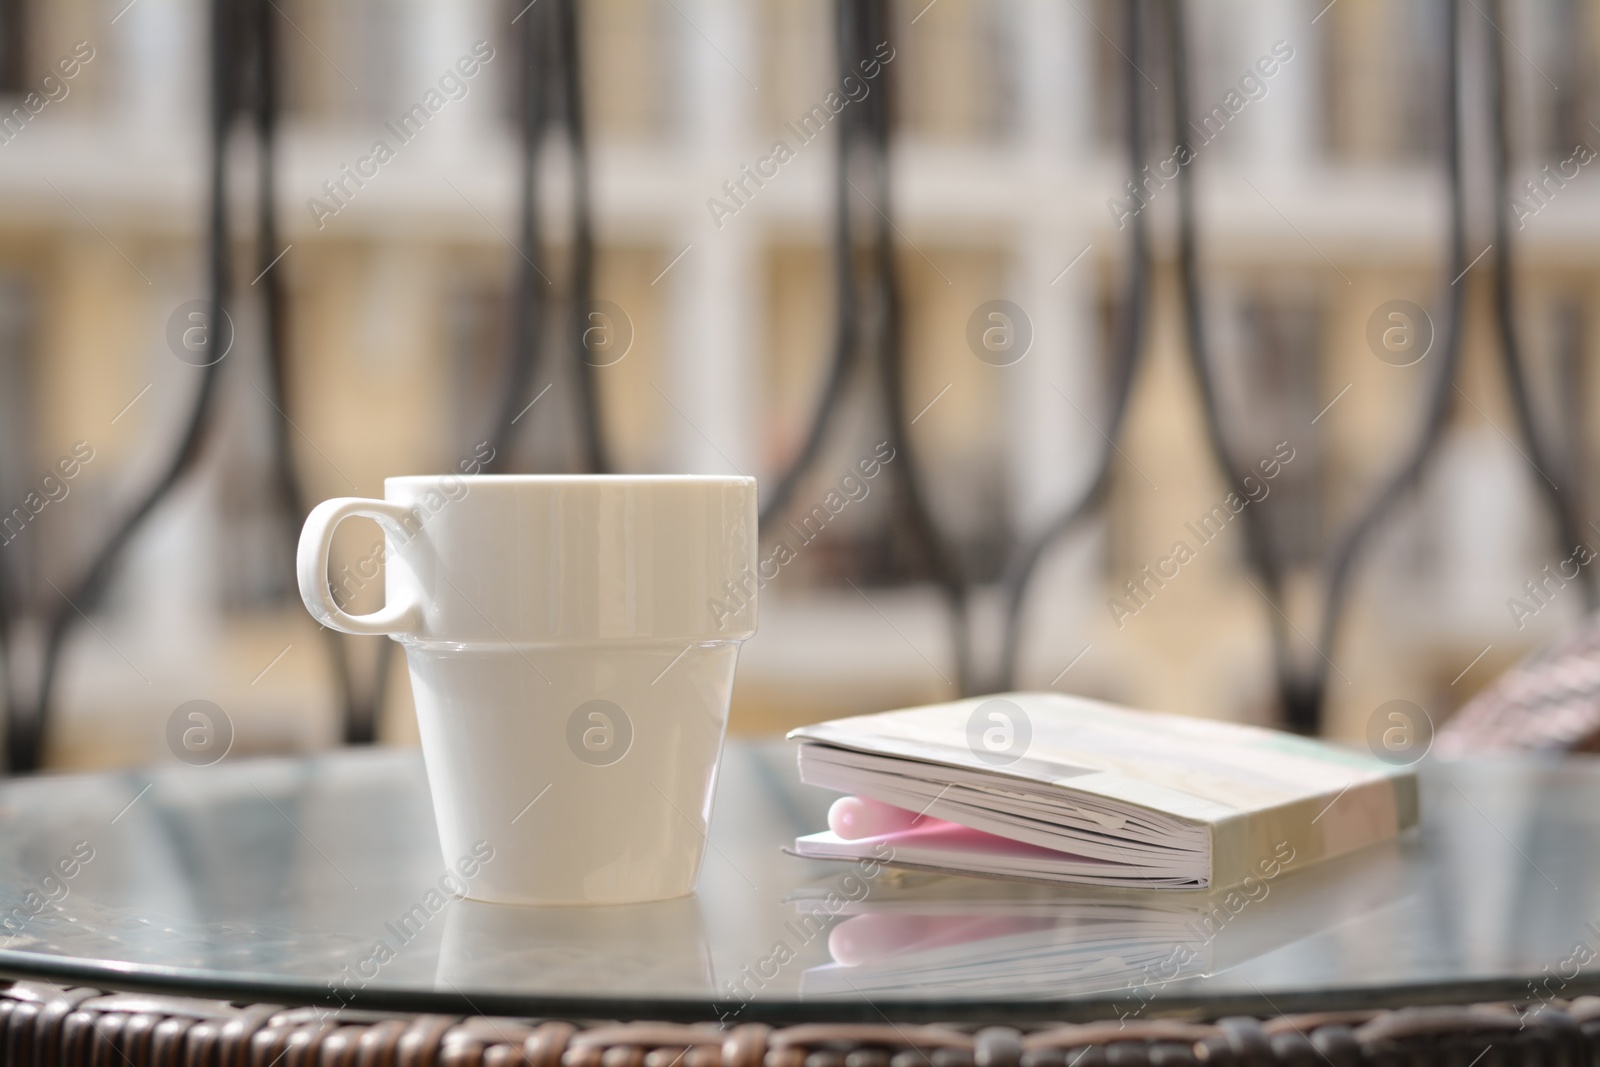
311, 567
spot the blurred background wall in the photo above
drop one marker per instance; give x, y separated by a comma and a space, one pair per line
1320, 200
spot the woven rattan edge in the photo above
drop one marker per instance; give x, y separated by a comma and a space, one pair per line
45, 1024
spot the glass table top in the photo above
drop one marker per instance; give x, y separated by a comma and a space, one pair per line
318, 881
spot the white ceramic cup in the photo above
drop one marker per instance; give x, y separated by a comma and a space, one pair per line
572, 642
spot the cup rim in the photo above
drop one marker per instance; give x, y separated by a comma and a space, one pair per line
578, 479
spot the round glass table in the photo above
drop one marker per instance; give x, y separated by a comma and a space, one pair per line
320, 881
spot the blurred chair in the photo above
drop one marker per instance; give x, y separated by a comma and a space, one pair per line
1548, 702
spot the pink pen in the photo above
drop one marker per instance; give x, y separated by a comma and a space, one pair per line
853, 818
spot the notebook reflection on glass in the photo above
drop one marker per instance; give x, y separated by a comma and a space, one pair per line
967, 936
1053, 788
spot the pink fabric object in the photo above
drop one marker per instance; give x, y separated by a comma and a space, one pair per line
952, 837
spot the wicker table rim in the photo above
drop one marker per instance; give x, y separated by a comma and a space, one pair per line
46, 1025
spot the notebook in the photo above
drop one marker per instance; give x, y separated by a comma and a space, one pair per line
1054, 788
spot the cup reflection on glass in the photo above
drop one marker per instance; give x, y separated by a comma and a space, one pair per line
638, 949
571, 642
